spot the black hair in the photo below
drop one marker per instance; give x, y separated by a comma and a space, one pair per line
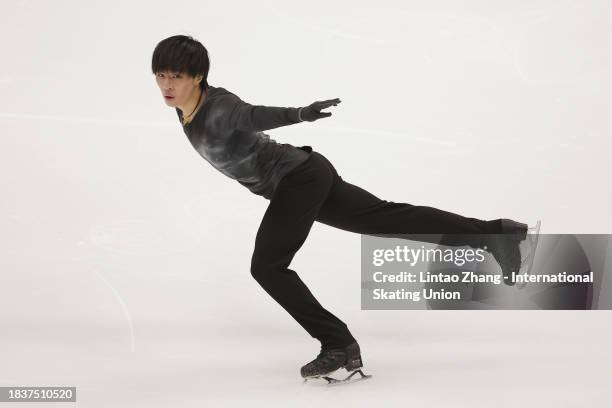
183, 54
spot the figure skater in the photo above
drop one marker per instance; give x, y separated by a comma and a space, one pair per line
302, 187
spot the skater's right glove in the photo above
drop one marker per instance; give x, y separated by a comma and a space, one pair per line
313, 112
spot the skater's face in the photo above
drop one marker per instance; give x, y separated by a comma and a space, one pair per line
177, 88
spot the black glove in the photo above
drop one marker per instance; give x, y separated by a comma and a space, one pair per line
313, 112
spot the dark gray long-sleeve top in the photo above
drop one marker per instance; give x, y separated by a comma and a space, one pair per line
228, 133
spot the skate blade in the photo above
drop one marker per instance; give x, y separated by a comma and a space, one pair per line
335, 381
529, 259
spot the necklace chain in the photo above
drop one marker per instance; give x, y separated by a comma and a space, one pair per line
185, 121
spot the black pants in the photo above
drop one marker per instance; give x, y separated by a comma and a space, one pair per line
314, 191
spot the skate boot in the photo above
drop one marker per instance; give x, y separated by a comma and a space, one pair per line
329, 361
505, 247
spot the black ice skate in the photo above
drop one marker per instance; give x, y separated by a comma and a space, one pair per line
505, 247
329, 361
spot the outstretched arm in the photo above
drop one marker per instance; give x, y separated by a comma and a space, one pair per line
244, 116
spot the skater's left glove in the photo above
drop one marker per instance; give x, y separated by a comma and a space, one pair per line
313, 112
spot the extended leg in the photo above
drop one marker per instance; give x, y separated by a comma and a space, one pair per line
354, 209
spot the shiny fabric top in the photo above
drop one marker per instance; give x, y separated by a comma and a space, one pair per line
228, 133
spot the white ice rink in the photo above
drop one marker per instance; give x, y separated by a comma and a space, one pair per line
125, 256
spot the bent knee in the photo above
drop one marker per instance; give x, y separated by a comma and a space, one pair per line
258, 272
266, 272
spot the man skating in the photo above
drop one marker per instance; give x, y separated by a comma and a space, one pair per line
302, 186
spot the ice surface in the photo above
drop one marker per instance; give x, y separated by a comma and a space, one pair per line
125, 257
